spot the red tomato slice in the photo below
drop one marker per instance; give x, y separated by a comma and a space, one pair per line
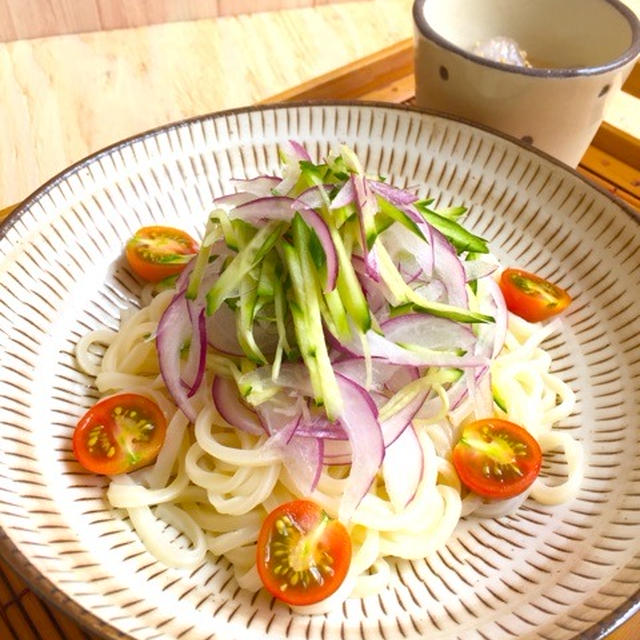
496, 458
155, 253
532, 297
119, 434
303, 555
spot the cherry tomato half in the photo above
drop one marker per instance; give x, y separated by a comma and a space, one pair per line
155, 253
119, 433
532, 297
303, 555
496, 458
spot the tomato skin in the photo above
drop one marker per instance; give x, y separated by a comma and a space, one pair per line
532, 297
120, 433
157, 252
300, 533
496, 458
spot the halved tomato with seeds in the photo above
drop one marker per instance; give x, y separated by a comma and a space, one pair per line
157, 252
119, 434
532, 297
496, 458
303, 555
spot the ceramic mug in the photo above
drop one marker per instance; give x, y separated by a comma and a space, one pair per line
580, 51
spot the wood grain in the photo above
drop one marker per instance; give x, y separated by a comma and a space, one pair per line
21, 19
68, 96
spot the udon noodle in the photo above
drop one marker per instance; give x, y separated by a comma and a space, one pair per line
214, 483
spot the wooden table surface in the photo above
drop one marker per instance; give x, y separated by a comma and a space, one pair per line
65, 97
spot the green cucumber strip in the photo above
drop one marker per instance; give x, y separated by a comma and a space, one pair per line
301, 322
417, 348
445, 375
350, 159
280, 305
500, 403
348, 285
211, 234
401, 309
329, 394
343, 214
452, 213
337, 315
244, 319
317, 252
267, 280
243, 262
435, 375
228, 230
403, 293
457, 235
397, 215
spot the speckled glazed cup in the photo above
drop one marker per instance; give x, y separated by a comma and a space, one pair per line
581, 52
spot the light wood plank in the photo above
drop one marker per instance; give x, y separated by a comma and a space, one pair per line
69, 96
22, 19
612, 169
119, 14
357, 78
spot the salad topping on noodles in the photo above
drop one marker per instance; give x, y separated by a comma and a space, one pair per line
336, 379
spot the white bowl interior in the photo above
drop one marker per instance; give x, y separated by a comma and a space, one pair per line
542, 572
566, 34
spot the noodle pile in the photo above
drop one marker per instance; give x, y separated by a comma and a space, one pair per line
215, 483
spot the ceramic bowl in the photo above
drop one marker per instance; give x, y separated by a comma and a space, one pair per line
580, 52
568, 572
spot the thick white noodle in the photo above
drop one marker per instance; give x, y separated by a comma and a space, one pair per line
213, 484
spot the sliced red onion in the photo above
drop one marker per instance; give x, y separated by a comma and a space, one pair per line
367, 208
500, 315
195, 366
356, 370
234, 199
321, 428
401, 378
298, 151
387, 351
429, 331
345, 196
221, 332
402, 468
393, 427
265, 208
399, 241
303, 458
397, 197
291, 168
284, 208
258, 186
360, 421
336, 452
316, 222
174, 329
459, 391
313, 197
232, 409
449, 266
433, 290
376, 292
476, 269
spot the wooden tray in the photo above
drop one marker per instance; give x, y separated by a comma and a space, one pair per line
612, 161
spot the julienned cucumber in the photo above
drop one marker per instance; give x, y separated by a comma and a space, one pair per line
278, 269
405, 294
309, 322
246, 259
